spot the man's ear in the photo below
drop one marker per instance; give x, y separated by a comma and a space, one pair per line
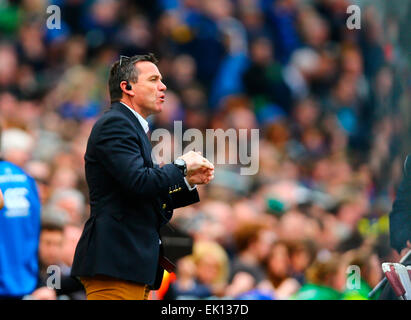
124, 87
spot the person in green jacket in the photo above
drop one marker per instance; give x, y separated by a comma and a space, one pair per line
358, 294
368, 273
325, 280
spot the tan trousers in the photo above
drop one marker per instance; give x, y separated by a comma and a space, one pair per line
107, 288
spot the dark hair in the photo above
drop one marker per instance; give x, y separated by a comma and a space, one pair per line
124, 70
246, 234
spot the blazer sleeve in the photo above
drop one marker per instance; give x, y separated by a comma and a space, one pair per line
117, 147
182, 196
185, 197
400, 216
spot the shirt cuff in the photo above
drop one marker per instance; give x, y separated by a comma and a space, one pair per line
190, 188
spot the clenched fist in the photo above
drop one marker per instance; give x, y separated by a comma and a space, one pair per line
199, 169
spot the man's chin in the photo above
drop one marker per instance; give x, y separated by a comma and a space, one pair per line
158, 108
155, 109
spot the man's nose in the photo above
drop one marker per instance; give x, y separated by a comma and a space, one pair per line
162, 86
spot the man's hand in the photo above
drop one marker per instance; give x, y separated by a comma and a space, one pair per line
199, 169
201, 176
195, 161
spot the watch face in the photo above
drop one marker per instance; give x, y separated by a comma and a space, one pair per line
182, 165
180, 162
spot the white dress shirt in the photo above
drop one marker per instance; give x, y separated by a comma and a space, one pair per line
144, 124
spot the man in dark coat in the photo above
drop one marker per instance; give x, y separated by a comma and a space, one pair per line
119, 255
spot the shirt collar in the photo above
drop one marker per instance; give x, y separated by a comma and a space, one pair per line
143, 122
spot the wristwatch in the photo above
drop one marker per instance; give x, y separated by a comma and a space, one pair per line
181, 164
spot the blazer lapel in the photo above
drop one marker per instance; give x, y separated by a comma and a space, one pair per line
139, 129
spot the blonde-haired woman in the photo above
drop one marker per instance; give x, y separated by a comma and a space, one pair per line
212, 265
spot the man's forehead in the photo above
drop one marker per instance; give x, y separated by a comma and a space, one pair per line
147, 67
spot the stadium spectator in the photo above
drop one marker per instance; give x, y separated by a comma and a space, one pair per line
253, 241
325, 280
186, 284
20, 229
212, 266
50, 249
369, 266
279, 270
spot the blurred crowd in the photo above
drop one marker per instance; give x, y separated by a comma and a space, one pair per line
331, 104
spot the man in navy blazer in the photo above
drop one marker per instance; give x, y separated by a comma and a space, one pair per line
119, 255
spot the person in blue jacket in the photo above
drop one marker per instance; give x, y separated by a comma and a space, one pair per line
19, 232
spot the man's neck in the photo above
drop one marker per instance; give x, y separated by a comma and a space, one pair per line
139, 116
136, 109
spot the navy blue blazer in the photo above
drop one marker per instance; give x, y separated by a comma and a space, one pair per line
130, 200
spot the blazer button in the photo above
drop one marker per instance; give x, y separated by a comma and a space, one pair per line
164, 205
